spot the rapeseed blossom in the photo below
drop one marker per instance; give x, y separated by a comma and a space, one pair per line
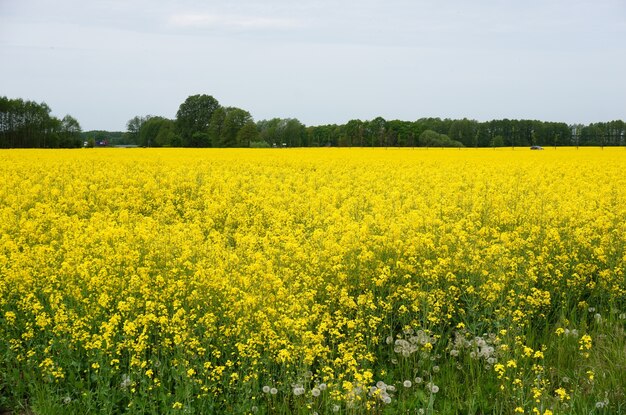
189, 278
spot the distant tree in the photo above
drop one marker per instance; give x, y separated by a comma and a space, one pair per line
214, 130
133, 127
158, 132
376, 132
193, 119
463, 131
234, 120
268, 130
69, 133
430, 138
167, 135
292, 132
497, 141
354, 133
324, 135
247, 134
29, 124
285, 131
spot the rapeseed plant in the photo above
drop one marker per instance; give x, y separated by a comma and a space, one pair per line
326, 280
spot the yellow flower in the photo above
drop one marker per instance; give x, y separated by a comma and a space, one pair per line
499, 369
561, 393
585, 342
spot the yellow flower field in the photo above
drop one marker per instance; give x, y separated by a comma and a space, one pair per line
313, 280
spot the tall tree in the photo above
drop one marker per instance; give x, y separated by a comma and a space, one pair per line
247, 134
234, 121
69, 134
193, 118
158, 132
29, 124
133, 128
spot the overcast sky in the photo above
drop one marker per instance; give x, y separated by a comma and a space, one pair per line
105, 61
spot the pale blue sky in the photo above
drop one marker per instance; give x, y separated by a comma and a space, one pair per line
106, 61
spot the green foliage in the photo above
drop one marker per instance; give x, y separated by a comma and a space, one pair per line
289, 132
159, 132
202, 122
497, 141
133, 127
247, 134
226, 125
430, 138
193, 119
29, 124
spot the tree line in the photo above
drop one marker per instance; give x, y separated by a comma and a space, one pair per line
28, 124
202, 122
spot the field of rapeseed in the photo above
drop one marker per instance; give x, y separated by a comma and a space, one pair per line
313, 281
